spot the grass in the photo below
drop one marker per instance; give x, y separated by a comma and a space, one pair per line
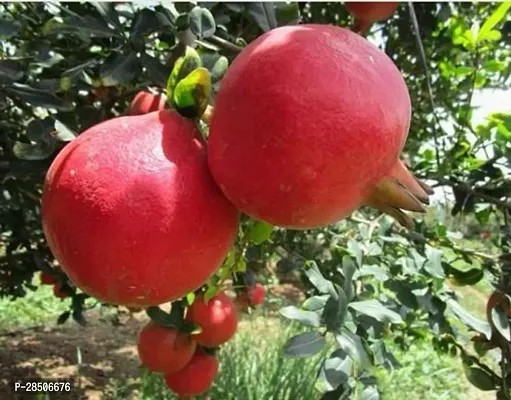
37, 307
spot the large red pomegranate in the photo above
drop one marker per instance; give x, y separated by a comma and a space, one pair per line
145, 102
308, 126
366, 13
132, 213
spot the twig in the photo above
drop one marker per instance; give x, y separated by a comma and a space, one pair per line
422, 54
225, 44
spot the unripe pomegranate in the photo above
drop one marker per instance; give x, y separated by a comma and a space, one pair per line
366, 13
132, 213
308, 126
145, 102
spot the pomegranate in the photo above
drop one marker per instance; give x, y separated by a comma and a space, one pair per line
47, 279
132, 214
163, 349
217, 318
366, 13
308, 126
145, 102
196, 377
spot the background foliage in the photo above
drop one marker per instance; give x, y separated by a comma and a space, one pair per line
67, 66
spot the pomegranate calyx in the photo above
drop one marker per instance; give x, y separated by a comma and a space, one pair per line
401, 190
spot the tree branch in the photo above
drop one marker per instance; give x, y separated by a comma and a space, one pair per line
225, 44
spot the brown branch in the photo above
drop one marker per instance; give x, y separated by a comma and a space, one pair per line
225, 44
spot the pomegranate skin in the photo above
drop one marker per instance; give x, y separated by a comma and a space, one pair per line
308, 118
145, 102
132, 214
372, 11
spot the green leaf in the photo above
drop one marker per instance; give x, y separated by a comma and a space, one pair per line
182, 68
370, 393
480, 378
76, 71
63, 133
348, 270
263, 13
374, 270
11, 70
37, 97
202, 22
316, 278
315, 303
162, 318
498, 15
433, 264
63, 317
146, 21
191, 95
376, 310
85, 27
334, 371
8, 28
352, 344
356, 250
34, 151
466, 277
120, 69
305, 317
260, 232
501, 322
287, 13
108, 12
304, 345
219, 69
335, 311
468, 319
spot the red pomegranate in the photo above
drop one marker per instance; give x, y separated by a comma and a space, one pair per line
163, 349
132, 213
366, 13
308, 126
196, 377
217, 318
145, 102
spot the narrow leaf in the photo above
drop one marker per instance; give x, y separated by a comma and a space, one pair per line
304, 345
305, 317
375, 309
352, 344
468, 319
316, 278
498, 15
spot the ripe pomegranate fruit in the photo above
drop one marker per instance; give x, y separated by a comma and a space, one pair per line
162, 349
47, 279
217, 318
145, 102
131, 212
308, 126
252, 296
366, 13
196, 377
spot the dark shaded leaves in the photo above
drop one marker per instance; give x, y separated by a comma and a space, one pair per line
263, 14
119, 69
